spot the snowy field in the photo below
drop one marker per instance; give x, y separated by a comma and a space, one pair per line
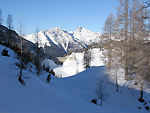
71, 94
74, 63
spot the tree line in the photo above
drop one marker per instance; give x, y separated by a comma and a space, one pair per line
126, 42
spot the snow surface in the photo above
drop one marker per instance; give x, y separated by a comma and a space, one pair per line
49, 63
62, 95
74, 63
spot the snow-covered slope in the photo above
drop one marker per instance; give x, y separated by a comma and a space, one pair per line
62, 95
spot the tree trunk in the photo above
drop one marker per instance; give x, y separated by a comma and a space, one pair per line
126, 72
141, 96
116, 81
109, 60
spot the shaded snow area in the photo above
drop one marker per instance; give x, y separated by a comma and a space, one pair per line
62, 95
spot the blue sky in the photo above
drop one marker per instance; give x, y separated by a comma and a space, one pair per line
66, 14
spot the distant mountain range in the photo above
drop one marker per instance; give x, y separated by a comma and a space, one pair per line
53, 43
57, 42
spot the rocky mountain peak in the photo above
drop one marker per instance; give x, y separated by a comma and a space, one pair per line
61, 41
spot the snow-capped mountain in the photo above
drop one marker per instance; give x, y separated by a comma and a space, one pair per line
55, 36
86, 36
60, 41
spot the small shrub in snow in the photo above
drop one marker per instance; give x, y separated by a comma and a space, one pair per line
147, 108
94, 101
141, 100
5, 53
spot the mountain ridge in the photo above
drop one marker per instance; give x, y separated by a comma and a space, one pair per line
64, 40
